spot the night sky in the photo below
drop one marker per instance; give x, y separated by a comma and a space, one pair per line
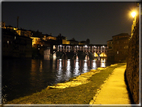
80, 20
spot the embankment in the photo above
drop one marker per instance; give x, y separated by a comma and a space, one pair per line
78, 90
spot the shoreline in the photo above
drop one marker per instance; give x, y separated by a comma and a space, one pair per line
80, 86
78, 80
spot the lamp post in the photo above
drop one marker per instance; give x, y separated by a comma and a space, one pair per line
133, 14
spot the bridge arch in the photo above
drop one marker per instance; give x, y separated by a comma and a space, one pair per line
103, 54
95, 54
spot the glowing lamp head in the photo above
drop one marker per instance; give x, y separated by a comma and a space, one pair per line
133, 14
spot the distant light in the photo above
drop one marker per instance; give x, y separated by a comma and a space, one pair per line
7, 42
133, 14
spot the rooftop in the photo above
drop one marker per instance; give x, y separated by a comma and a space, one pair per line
122, 34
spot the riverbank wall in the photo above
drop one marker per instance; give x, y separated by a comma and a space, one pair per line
132, 70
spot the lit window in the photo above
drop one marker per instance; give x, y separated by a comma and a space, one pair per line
7, 42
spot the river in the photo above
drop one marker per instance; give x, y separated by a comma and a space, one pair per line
22, 77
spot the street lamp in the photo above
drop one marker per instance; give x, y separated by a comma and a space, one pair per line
133, 14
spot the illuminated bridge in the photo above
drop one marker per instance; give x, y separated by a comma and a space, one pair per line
79, 51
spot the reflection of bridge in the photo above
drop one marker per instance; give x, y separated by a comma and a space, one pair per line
80, 51
72, 67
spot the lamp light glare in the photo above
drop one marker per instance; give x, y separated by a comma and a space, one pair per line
133, 14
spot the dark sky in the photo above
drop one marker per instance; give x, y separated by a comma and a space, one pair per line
80, 20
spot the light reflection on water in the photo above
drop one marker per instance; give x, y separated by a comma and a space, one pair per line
59, 72
67, 68
85, 67
24, 77
94, 66
76, 68
103, 64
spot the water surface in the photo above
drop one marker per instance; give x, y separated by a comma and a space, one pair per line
22, 77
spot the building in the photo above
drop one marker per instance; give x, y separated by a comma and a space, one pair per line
23, 32
2, 25
35, 41
11, 27
60, 39
51, 38
73, 42
82, 43
26, 33
48, 37
118, 47
18, 31
14, 45
64, 41
110, 55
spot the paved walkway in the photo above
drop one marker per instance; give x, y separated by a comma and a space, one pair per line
114, 90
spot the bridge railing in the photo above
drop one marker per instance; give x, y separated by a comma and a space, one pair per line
81, 48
